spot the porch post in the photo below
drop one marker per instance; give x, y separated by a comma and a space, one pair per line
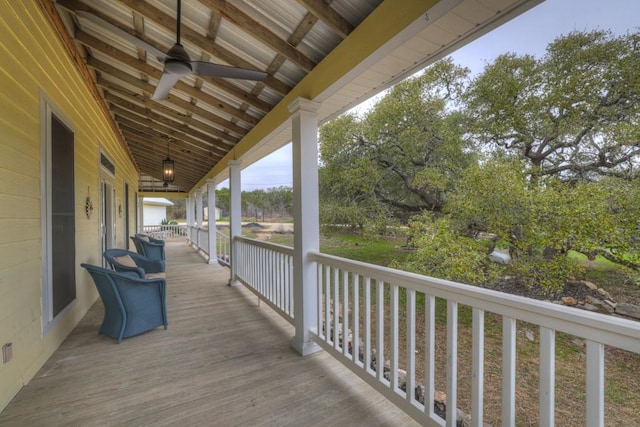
199, 216
235, 214
188, 207
306, 236
211, 221
199, 208
140, 224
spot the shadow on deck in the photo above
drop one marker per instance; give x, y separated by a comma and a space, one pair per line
223, 361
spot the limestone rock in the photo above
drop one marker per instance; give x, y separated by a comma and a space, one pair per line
570, 301
599, 305
604, 293
402, 379
462, 419
420, 390
578, 342
440, 397
589, 285
529, 334
630, 310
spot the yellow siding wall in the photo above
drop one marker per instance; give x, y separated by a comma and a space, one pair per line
34, 62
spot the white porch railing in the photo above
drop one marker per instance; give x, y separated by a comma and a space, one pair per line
223, 250
203, 239
192, 234
267, 270
356, 300
199, 239
165, 232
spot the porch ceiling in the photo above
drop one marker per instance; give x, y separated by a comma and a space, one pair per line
338, 52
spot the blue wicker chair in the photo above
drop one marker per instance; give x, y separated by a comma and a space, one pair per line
151, 239
149, 248
123, 260
132, 305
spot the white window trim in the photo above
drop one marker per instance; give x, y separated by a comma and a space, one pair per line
47, 108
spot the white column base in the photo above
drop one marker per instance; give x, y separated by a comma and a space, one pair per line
233, 282
304, 348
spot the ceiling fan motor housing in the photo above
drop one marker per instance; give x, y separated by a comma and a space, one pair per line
178, 61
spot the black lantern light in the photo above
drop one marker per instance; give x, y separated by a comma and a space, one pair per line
168, 170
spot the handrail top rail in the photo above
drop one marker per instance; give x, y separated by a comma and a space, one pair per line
285, 250
610, 330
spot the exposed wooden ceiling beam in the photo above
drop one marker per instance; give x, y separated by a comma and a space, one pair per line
135, 113
302, 29
227, 86
329, 16
176, 148
214, 25
202, 42
183, 120
106, 49
184, 178
148, 144
259, 31
181, 104
142, 150
166, 133
138, 25
154, 163
300, 32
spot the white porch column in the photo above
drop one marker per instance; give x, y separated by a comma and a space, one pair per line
199, 216
211, 224
190, 217
140, 224
235, 213
199, 208
306, 236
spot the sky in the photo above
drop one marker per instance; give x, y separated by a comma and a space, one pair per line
529, 33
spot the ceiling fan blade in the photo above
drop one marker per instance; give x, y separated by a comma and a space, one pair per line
165, 84
134, 40
209, 69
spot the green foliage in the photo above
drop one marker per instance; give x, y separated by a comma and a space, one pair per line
275, 201
223, 201
402, 157
573, 113
178, 210
541, 153
442, 251
548, 273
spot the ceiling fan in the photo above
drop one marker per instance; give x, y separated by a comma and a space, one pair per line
176, 61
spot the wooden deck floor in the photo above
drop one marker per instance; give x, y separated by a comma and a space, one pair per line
223, 361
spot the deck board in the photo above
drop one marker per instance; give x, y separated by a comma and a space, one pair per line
223, 361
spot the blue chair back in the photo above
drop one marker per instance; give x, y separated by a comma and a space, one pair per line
143, 265
149, 249
131, 305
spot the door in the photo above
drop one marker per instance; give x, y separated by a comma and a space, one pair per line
126, 215
107, 215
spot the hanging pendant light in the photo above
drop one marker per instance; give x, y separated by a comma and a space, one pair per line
168, 169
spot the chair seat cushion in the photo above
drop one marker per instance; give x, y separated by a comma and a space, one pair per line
155, 275
125, 260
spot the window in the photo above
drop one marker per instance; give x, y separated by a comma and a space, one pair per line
58, 215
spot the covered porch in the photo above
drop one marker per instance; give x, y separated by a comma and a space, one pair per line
224, 360
227, 359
